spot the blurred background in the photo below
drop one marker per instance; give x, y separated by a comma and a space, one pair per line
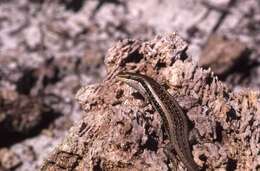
50, 48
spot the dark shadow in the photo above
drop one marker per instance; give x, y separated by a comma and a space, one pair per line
37, 1
8, 137
209, 80
137, 95
231, 115
151, 143
160, 65
242, 66
73, 5
101, 3
231, 164
184, 55
134, 57
26, 82
97, 165
219, 130
203, 158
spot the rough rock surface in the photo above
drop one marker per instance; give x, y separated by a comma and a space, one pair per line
223, 55
49, 48
119, 131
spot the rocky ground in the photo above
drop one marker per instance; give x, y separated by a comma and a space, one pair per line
50, 48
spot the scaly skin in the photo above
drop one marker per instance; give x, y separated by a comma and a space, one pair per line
174, 119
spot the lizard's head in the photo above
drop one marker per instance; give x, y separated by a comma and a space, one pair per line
134, 80
129, 75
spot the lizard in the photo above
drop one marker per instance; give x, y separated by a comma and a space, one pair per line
174, 120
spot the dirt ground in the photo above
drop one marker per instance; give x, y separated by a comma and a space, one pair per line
50, 48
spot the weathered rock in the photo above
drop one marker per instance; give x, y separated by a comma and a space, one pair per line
223, 55
19, 113
120, 132
9, 160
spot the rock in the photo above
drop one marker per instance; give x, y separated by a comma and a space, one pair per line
119, 132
